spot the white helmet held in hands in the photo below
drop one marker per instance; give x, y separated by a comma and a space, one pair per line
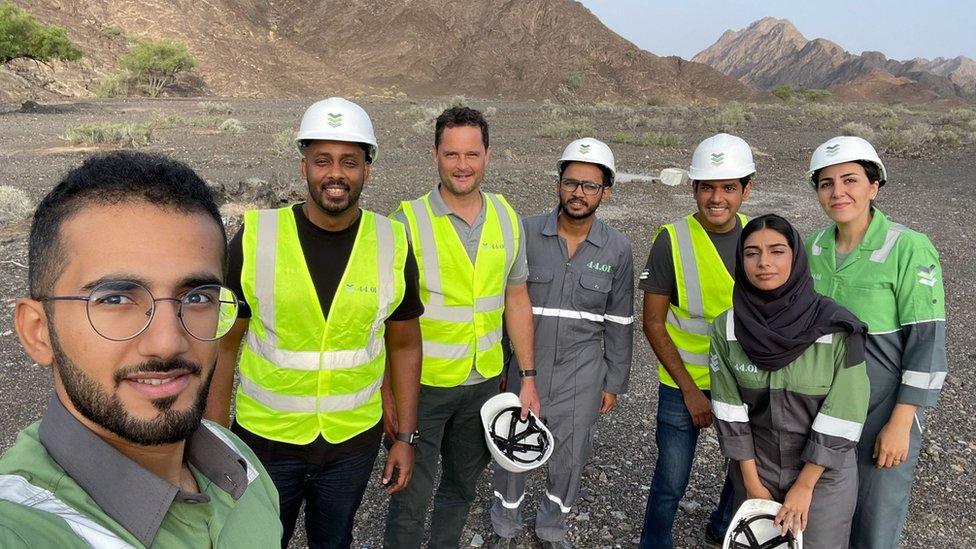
592, 151
517, 446
845, 148
752, 528
336, 119
721, 156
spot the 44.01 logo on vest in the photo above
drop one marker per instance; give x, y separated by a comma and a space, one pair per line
605, 267
362, 288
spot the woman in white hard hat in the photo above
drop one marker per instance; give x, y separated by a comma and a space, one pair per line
789, 387
891, 278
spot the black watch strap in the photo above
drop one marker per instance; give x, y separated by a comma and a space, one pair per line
527, 373
409, 438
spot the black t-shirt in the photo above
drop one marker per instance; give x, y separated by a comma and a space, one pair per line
658, 274
326, 255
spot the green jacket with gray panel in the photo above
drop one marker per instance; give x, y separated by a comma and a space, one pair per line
817, 403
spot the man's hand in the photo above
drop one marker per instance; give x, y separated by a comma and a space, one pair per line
891, 445
699, 407
796, 509
758, 492
608, 401
400, 458
529, 398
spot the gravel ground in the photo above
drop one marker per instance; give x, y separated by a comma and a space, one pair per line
927, 193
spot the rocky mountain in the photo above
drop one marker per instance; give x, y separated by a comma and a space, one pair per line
772, 52
493, 48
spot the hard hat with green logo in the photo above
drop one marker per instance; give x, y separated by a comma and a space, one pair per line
721, 156
592, 151
845, 148
336, 119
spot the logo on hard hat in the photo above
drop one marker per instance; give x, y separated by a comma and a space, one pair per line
584, 148
334, 120
832, 150
718, 159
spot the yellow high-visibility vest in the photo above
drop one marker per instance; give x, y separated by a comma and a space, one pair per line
704, 288
463, 303
304, 374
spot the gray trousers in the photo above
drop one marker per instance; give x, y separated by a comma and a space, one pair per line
569, 395
882, 495
834, 496
449, 421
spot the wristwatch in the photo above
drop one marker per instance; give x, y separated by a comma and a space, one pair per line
527, 373
409, 438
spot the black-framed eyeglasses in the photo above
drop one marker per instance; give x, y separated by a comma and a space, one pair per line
120, 310
590, 188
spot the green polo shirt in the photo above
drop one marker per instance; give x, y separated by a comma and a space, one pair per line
63, 486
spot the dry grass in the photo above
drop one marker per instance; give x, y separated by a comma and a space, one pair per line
124, 135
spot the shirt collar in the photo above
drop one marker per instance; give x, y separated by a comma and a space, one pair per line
597, 235
873, 239
131, 495
439, 207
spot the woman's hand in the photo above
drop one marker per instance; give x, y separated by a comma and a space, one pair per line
796, 508
891, 444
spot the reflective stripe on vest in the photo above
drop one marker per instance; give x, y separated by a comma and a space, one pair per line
704, 289
462, 321
302, 373
16, 489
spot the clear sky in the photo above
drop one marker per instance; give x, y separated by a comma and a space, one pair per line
900, 29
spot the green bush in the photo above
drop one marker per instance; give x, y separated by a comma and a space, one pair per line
889, 122
161, 121
786, 93
573, 79
21, 35
113, 85
814, 95
232, 125
125, 135
154, 64
573, 128
216, 107
910, 142
947, 138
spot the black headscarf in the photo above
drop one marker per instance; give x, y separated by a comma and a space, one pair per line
774, 327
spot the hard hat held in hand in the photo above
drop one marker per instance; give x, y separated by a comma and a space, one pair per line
590, 150
516, 445
752, 528
721, 156
845, 148
337, 119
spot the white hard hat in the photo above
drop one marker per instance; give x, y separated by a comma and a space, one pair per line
722, 156
336, 119
845, 148
590, 150
756, 517
516, 445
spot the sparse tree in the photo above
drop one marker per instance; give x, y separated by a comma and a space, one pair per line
155, 64
22, 36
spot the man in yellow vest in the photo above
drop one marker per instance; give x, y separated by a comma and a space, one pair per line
470, 251
688, 282
330, 300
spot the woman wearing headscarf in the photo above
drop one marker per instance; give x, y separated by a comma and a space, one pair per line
891, 278
789, 387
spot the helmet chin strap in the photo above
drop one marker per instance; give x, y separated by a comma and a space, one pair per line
516, 442
744, 528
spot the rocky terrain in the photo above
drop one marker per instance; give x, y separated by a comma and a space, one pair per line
536, 49
254, 164
772, 52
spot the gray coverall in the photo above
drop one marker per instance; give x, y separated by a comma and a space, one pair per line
583, 310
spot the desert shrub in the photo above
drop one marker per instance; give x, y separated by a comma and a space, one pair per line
963, 118
813, 95
216, 107
826, 112
232, 125
154, 65
21, 35
889, 122
637, 121
572, 128
573, 79
14, 204
208, 121
554, 110
727, 118
125, 134
947, 138
909, 142
879, 111
416, 110
491, 111
283, 143
786, 93
161, 121
613, 109
457, 101
859, 130
113, 85
659, 139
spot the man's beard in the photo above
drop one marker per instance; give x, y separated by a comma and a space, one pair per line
107, 410
564, 206
317, 193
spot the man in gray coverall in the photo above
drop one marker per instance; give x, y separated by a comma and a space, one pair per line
581, 285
